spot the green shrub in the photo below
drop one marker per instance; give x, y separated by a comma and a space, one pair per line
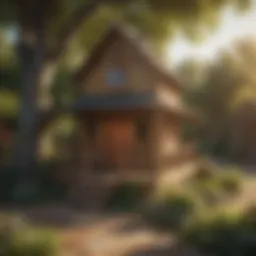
218, 186
222, 235
230, 181
171, 212
203, 173
17, 238
33, 243
209, 191
127, 197
206, 170
9, 177
42, 186
250, 216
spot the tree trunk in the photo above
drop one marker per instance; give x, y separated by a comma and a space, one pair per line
36, 71
36, 74
31, 62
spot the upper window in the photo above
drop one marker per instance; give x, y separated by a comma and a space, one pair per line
116, 77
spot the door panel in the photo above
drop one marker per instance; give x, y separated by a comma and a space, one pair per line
115, 141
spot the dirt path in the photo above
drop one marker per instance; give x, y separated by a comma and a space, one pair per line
126, 235
122, 235
83, 234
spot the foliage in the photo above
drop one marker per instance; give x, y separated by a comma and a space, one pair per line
63, 88
209, 191
200, 194
225, 234
8, 180
43, 186
7, 54
218, 90
205, 171
245, 52
204, 184
250, 217
230, 181
216, 184
47, 176
8, 104
127, 197
17, 238
171, 212
156, 19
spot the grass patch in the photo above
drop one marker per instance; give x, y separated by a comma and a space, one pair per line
210, 189
170, 212
230, 181
42, 187
8, 104
223, 234
127, 197
215, 185
18, 238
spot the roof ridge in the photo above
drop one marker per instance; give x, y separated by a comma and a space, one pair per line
130, 34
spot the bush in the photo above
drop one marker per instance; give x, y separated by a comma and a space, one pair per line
32, 243
206, 170
9, 177
17, 238
218, 186
42, 186
222, 235
127, 196
250, 216
230, 181
171, 212
208, 191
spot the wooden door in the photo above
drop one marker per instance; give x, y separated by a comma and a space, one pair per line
115, 141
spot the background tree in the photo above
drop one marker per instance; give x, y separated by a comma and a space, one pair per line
47, 28
221, 90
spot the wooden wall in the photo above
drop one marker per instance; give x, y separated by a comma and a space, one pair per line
140, 77
139, 154
168, 138
169, 96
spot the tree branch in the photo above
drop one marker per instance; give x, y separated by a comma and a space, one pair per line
71, 27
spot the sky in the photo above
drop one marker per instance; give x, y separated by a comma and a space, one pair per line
232, 26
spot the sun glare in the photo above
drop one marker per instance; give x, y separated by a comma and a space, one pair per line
232, 26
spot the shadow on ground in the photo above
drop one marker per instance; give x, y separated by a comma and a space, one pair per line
59, 216
86, 234
168, 250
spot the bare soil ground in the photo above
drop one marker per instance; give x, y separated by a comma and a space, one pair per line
127, 235
114, 236
85, 234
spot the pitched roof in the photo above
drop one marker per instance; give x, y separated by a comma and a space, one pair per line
116, 101
129, 101
142, 49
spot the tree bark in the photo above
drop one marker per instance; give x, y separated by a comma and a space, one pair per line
31, 58
38, 69
37, 78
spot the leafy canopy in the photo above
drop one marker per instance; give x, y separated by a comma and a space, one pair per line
155, 19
